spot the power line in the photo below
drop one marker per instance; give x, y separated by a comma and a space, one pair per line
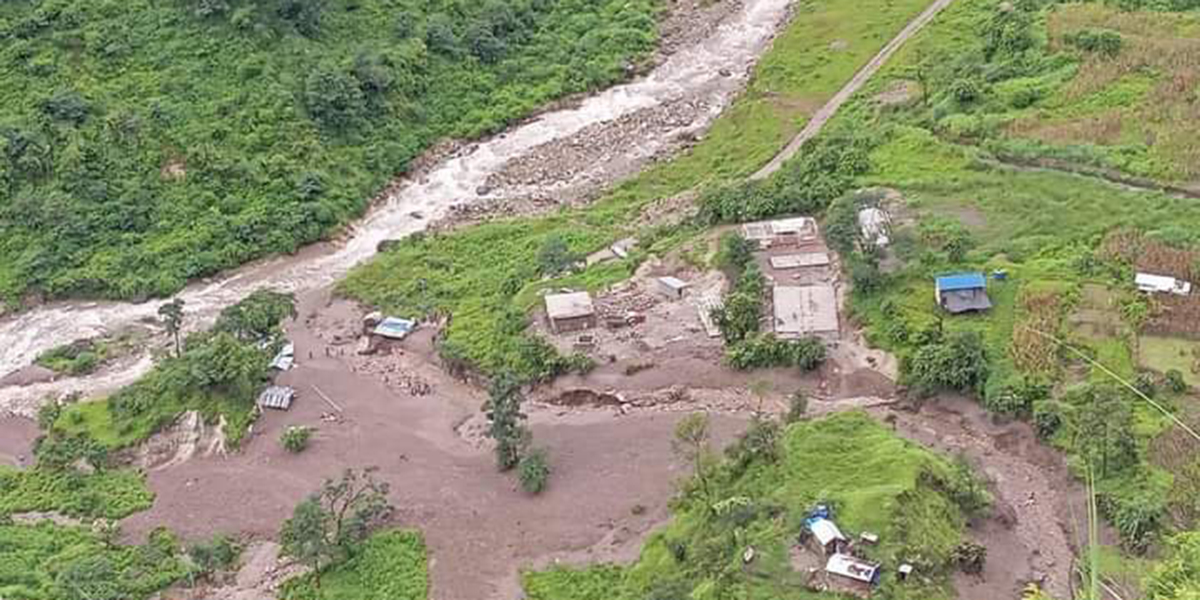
1182, 425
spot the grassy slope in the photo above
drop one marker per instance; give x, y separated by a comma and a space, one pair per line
106, 494
867, 472
391, 565
150, 86
475, 274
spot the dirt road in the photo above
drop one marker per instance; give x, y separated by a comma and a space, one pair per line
826, 112
698, 79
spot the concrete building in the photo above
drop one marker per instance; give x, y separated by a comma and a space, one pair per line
781, 232
568, 312
672, 287
807, 310
1161, 284
852, 575
799, 261
962, 292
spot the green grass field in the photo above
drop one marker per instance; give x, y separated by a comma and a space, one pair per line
485, 276
1165, 353
391, 565
872, 477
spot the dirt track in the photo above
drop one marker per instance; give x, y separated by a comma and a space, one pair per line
822, 116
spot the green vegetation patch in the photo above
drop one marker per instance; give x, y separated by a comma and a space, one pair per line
217, 372
52, 562
145, 143
108, 494
916, 501
1166, 353
390, 565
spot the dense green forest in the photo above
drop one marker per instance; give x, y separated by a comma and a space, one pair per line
143, 143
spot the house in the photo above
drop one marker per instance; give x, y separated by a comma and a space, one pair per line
572, 311
1161, 284
852, 575
277, 397
798, 261
781, 232
827, 535
962, 292
672, 287
285, 358
875, 226
395, 328
806, 310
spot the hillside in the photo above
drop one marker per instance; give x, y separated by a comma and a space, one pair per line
147, 143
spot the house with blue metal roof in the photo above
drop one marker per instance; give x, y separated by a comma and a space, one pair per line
962, 292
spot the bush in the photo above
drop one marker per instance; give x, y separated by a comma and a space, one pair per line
957, 363
735, 252
969, 557
1175, 381
1136, 510
218, 554
1100, 41
295, 439
533, 471
765, 350
1047, 419
797, 407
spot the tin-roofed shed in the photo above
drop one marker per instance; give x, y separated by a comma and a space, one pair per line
962, 292
277, 397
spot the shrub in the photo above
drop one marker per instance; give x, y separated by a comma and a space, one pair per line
533, 471
295, 439
1138, 513
1100, 41
218, 554
797, 407
969, 557
765, 350
735, 253
957, 363
1175, 381
1047, 418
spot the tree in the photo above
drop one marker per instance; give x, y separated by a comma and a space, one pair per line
172, 316
691, 444
797, 407
735, 253
505, 416
555, 256
334, 98
1103, 432
326, 527
258, 316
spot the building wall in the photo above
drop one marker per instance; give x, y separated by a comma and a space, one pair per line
573, 324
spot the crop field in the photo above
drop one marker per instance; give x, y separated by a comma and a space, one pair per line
1166, 353
1137, 106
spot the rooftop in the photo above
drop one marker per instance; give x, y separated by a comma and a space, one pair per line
570, 305
395, 327
805, 310
796, 261
853, 568
961, 281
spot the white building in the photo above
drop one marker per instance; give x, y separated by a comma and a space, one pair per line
875, 225
1161, 284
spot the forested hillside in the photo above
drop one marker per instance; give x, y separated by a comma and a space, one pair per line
146, 142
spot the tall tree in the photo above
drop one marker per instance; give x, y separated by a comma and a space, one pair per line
326, 527
172, 316
505, 417
691, 444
